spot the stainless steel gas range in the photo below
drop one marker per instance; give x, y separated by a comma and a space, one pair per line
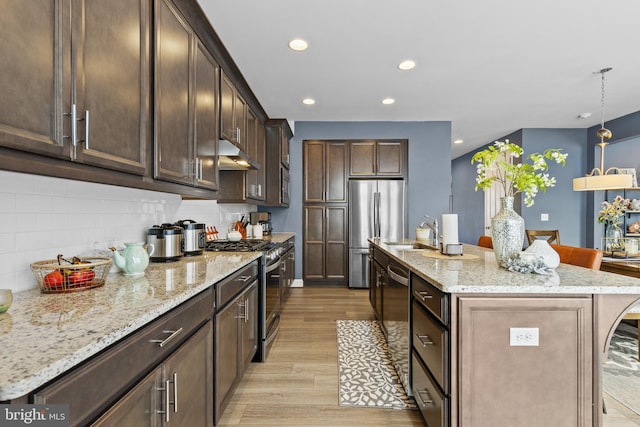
270, 287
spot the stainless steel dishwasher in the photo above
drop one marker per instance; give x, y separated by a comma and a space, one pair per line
395, 319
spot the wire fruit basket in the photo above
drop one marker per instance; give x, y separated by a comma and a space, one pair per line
55, 276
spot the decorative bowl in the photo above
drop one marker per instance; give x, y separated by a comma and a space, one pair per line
6, 299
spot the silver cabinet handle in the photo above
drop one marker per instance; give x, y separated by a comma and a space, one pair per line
422, 295
167, 400
423, 401
425, 340
162, 343
86, 129
243, 313
74, 130
244, 278
175, 392
201, 166
246, 310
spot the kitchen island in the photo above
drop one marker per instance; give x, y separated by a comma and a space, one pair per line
45, 336
491, 347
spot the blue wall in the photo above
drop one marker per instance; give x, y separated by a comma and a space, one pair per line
428, 185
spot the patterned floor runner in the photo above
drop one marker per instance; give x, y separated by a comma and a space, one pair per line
366, 376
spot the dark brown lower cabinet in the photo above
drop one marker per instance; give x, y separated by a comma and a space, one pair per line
177, 393
115, 385
325, 244
236, 343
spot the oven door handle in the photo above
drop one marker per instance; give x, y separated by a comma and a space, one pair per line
273, 266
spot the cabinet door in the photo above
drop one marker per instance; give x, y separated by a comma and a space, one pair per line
325, 242
240, 117
227, 103
112, 82
188, 374
337, 249
362, 158
35, 84
313, 230
140, 407
314, 171
173, 100
249, 324
226, 355
284, 149
206, 119
555, 375
391, 158
252, 190
336, 172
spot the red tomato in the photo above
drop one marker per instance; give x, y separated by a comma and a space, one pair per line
53, 280
81, 277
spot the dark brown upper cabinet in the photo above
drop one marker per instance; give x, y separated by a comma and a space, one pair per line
233, 113
377, 158
277, 161
325, 171
76, 84
186, 88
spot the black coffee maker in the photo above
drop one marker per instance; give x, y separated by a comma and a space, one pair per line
263, 219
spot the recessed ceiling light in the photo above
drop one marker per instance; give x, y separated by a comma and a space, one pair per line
308, 101
406, 65
458, 141
584, 115
298, 45
388, 101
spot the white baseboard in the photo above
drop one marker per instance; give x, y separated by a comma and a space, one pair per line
297, 283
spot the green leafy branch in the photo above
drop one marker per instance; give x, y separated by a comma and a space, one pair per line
497, 163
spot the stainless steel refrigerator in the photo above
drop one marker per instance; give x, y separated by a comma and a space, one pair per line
376, 209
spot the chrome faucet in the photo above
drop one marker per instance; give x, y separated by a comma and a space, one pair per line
434, 229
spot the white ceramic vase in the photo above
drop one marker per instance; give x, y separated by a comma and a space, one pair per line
541, 248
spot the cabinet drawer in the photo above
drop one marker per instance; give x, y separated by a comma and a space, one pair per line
431, 402
431, 341
234, 284
120, 366
431, 298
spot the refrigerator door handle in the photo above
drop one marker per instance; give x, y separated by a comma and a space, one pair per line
378, 227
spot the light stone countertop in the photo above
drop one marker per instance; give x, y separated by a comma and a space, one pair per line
481, 274
45, 335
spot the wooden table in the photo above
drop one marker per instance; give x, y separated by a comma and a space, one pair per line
620, 266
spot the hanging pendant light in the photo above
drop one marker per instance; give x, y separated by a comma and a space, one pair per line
599, 179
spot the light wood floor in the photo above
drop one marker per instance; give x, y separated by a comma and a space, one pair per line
298, 385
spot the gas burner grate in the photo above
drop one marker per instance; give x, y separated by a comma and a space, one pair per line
240, 246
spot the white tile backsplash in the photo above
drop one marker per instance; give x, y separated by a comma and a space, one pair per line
41, 217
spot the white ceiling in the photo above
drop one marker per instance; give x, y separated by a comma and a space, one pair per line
490, 67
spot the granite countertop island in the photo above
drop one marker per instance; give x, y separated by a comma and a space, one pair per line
477, 272
45, 335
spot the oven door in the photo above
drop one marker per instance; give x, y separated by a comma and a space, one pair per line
272, 305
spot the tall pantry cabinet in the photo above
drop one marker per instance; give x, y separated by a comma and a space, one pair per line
325, 213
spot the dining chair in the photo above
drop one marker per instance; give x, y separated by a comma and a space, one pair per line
583, 257
485, 242
553, 236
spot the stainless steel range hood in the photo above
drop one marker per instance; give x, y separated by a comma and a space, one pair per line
230, 157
